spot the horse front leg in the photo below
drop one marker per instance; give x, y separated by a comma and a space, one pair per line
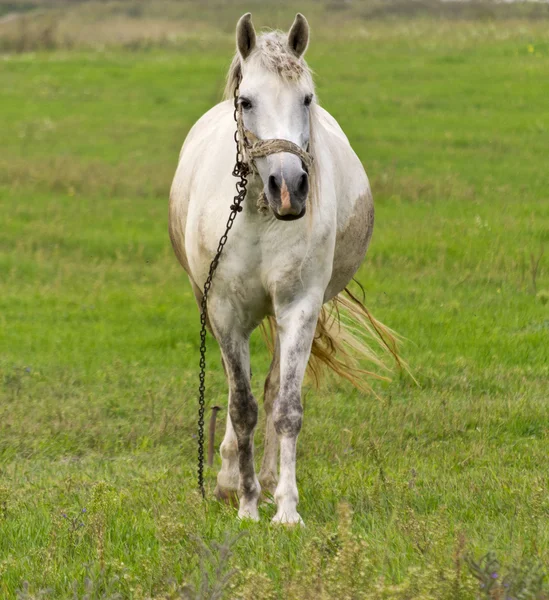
242, 418
296, 327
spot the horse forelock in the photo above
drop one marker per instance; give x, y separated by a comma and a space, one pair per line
271, 53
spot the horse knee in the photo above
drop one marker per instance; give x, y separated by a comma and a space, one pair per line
243, 411
288, 416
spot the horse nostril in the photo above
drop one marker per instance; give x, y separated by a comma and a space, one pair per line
303, 185
274, 185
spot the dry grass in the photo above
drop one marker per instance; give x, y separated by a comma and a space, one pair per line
41, 25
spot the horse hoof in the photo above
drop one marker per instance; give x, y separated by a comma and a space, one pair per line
288, 518
248, 514
227, 496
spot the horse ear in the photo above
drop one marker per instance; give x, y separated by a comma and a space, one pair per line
245, 36
298, 37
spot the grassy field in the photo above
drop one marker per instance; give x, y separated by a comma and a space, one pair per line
99, 331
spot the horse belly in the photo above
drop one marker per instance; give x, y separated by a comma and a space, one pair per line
352, 241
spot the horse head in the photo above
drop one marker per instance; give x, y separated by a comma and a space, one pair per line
275, 93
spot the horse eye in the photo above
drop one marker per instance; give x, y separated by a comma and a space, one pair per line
308, 100
245, 103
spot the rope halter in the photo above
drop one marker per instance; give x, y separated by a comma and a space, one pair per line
256, 148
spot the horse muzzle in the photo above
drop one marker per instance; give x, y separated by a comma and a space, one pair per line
287, 194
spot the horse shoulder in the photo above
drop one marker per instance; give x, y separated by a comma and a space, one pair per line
191, 156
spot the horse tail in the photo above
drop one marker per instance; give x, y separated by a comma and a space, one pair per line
348, 336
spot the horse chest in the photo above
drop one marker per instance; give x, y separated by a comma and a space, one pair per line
270, 263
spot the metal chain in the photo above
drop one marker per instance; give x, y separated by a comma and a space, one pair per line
241, 170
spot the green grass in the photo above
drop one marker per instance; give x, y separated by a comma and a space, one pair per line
99, 331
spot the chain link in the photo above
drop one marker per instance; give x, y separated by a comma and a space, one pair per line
241, 170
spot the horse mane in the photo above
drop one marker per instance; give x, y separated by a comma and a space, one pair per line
272, 53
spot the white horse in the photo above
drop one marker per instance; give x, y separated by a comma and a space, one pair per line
286, 256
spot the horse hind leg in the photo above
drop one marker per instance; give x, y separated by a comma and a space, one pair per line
268, 475
227, 478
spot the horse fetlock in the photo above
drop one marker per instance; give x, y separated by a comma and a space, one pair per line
228, 476
269, 482
227, 495
249, 487
226, 489
268, 479
249, 493
286, 498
